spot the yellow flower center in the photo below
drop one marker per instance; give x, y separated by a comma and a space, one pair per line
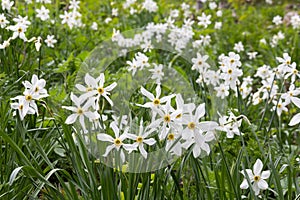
79, 111
20, 30
231, 61
167, 118
21, 107
156, 102
288, 62
191, 125
117, 142
229, 71
295, 71
36, 89
139, 139
28, 97
171, 136
279, 105
200, 62
100, 90
256, 178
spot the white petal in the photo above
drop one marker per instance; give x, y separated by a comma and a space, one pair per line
158, 91
105, 137
262, 184
208, 126
258, 165
71, 119
143, 151
244, 184
111, 86
200, 112
296, 101
265, 174
108, 149
147, 94
150, 141
295, 120
196, 151
255, 188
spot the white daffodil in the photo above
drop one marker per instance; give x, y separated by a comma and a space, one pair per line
204, 20
167, 117
230, 124
7, 4
257, 177
19, 31
36, 87
200, 64
3, 21
22, 108
142, 139
42, 13
156, 101
95, 87
291, 96
117, 141
79, 111
199, 142
50, 41
279, 106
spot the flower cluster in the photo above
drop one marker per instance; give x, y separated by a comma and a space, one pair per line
87, 105
26, 103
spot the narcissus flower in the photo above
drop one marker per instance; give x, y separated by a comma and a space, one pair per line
116, 142
257, 177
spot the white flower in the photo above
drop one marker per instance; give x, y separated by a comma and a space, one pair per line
142, 139
22, 107
43, 13
295, 21
79, 111
157, 72
218, 25
117, 141
257, 177
212, 5
7, 4
252, 55
19, 31
3, 21
200, 64
74, 4
167, 117
204, 20
230, 124
279, 106
155, 101
277, 20
222, 91
96, 88
219, 13
239, 47
36, 87
50, 41
94, 26
150, 5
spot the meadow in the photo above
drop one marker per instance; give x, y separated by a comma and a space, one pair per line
146, 99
